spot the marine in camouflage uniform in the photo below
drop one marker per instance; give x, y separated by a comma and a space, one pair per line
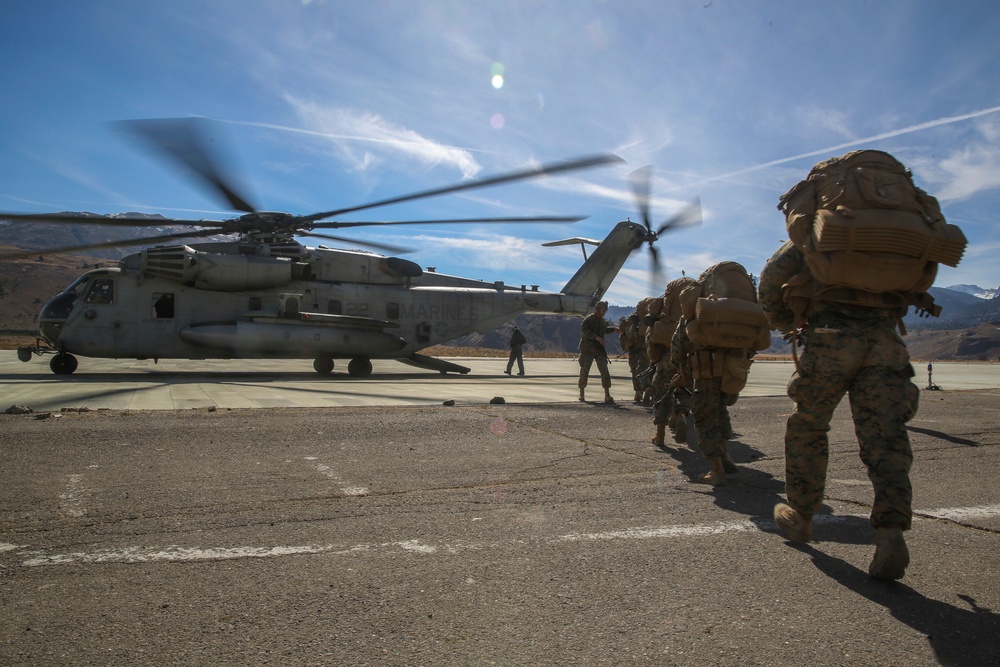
672, 397
634, 346
856, 351
592, 332
701, 368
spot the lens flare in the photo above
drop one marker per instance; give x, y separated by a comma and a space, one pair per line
496, 75
499, 426
497, 121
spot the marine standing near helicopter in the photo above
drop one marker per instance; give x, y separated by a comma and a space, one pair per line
592, 333
517, 341
628, 334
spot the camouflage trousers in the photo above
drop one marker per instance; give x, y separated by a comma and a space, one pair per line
869, 363
638, 362
710, 407
586, 361
667, 399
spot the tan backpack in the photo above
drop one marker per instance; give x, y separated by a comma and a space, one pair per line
640, 310
866, 230
662, 331
721, 310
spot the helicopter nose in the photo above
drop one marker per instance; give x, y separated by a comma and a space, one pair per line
50, 331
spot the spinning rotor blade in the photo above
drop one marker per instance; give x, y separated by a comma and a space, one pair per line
552, 218
183, 140
392, 249
640, 179
187, 142
117, 221
146, 240
688, 216
534, 172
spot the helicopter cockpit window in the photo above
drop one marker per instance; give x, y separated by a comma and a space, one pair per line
392, 311
101, 291
163, 305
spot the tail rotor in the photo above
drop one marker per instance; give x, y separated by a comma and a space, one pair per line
689, 215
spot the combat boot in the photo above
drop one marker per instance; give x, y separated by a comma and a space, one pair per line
607, 397
716, 476
891, 554
681, 429
638, 397
661, 432
797, 526
582, 397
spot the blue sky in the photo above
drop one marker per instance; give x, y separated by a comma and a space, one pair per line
329, 104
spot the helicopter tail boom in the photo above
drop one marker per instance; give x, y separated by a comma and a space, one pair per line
595, 276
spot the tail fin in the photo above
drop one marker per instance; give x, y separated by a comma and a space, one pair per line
595, 276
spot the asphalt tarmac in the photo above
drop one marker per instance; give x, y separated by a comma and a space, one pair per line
537, 533
178, 385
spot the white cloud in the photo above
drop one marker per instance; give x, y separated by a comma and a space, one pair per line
968, 172
361, 137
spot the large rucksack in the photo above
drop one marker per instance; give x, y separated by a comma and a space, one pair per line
722, 311
869, 235
641, 310
662, 330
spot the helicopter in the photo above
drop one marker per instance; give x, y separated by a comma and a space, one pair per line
265, 295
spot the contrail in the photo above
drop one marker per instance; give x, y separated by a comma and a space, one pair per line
875, 137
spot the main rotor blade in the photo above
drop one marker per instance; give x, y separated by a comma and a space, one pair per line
534, 172
118, 221
183, 140
640, 179
656, 271
552, 218
147, 240
687, 216
395, 250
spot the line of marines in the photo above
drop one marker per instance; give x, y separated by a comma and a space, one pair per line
830, 291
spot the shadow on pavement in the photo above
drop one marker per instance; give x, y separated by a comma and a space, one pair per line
958, 636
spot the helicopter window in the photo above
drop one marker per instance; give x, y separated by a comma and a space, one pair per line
392, 311
77, 285
254, 303
163, 305
101, 291
334, 307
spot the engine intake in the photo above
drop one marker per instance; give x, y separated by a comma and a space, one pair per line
216, 271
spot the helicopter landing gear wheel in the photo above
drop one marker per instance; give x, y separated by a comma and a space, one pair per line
359, 367
323, 365
63, 364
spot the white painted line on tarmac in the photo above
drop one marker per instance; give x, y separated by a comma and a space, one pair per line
964, 513
178, 554
329, 473
71, 500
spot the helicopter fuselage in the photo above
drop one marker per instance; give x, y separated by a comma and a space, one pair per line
280, 300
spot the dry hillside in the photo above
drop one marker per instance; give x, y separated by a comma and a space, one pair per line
27, 284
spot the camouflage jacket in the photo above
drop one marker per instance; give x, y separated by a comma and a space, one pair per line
592, 328
789, 262
680, 347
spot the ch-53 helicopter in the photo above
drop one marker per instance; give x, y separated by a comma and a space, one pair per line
264, 295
